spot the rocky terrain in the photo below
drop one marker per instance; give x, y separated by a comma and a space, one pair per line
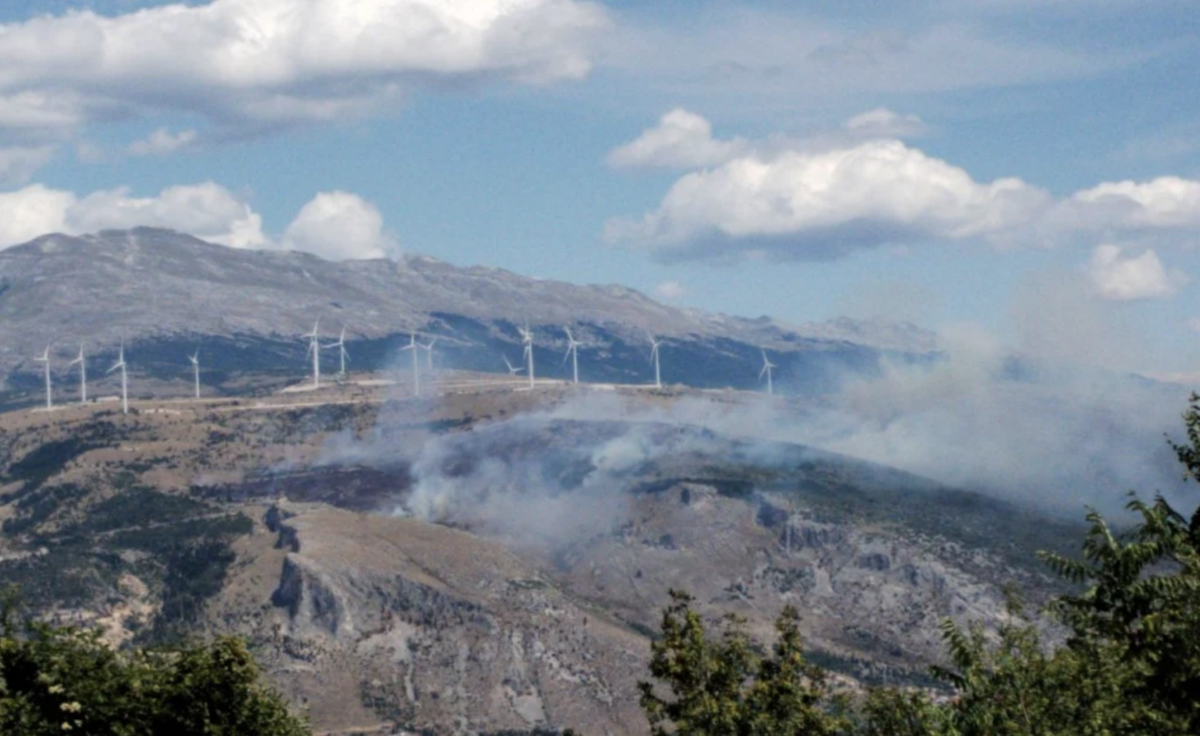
490, 560
165, 294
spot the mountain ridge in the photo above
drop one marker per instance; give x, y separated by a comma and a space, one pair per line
146, 283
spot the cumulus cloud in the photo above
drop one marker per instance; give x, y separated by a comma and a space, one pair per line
827, 203
883, 123
206, 210
1165, 202
338, 226
826, 197
242, 63
670, 290
1134, 277
162, 142
682, 139
333, 225
35, 210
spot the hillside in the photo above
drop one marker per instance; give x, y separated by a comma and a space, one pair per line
489, 560
165, 294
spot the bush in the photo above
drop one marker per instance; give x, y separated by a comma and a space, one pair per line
65, 680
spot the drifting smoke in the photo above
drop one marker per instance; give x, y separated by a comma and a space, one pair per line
1025, 431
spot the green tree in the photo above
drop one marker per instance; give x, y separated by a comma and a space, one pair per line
724, 688
65, 680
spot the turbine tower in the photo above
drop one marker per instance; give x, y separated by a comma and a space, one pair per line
45, 360
413, 346
572, 354
429, 354
766, 371
195, 361
120, 364
342, 354
82, 375
314, 349
527, 341
654, 358
512, 369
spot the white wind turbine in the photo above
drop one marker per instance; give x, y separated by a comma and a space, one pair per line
413, 346
512, 369
527, 341
654, 358
342, 354
766, 371
314, 349
120, 364
429, 354
45, 360
194, 359
572, 353
82, 362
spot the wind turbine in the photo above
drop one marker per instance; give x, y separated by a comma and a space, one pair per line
654, 358
124, 382
314, 349
412, 345
572, 353
429, 354
766, 371
512, 369
194, 358
341, 346
82, 375
527, 341
45, 359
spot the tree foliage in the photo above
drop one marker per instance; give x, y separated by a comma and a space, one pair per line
723, 687
68, 681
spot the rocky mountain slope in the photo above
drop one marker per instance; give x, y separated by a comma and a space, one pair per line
164, 293
479, 562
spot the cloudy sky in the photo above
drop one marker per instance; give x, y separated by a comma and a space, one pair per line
1025, 169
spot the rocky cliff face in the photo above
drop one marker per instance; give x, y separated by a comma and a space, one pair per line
384, 620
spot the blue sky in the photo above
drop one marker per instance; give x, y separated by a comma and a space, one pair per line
492, 141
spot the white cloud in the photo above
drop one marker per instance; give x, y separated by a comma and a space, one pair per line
35, 210
825, 204
1165, 202
162, 142
254, 63
682, 139
828, 196
883, 123
1130, 278
339, 226
670, 290
1194, 324
18, 163
333, 225
207, 210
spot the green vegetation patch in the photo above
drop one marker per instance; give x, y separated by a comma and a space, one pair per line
46, 460
40, 505
61, 577
140, 507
